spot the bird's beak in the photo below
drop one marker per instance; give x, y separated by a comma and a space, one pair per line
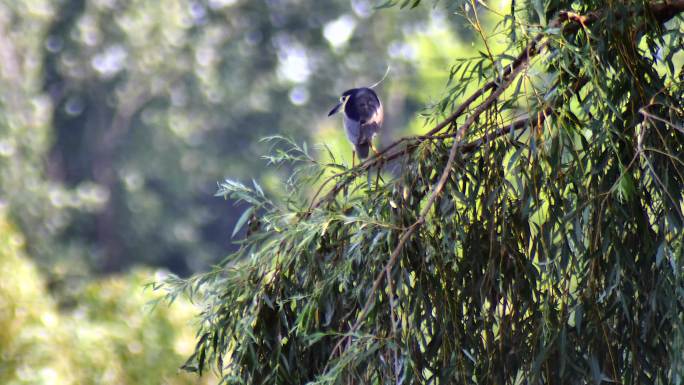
335, 109
339, 105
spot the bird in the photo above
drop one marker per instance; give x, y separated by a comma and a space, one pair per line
363, 117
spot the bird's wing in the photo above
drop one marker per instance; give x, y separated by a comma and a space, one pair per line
368, 130
358, 135
371, 126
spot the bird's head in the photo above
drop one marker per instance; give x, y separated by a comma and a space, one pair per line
357, 101
343, 99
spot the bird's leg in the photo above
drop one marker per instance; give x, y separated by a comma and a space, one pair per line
380, 162
375, 150
377, 177
369, 179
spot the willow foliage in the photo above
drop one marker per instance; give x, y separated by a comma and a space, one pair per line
533, 236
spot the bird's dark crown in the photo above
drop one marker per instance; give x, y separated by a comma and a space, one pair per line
356, 91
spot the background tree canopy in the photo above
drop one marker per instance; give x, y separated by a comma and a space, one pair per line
533, 235
119, 117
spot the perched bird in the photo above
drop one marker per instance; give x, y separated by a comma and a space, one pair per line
363, 118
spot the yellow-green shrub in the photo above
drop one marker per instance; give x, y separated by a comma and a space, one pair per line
30, 330
111, 336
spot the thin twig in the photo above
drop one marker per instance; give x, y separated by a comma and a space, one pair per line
394, 325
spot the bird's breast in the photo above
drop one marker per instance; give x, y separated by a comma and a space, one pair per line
353, 129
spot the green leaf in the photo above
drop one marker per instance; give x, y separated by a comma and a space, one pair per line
242, 220
257, 187
626, 186
660, 253
540, 10
386, 4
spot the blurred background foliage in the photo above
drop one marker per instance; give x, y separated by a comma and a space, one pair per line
109, 334
117, 120
119, 117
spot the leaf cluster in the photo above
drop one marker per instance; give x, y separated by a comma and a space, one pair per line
534, 238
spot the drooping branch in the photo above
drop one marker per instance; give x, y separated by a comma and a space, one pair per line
521, 123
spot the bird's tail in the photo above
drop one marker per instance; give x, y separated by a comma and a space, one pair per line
362, 150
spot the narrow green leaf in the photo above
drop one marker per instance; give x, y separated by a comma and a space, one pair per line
242, 220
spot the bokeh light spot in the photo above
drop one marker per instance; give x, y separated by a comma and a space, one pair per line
339, 31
